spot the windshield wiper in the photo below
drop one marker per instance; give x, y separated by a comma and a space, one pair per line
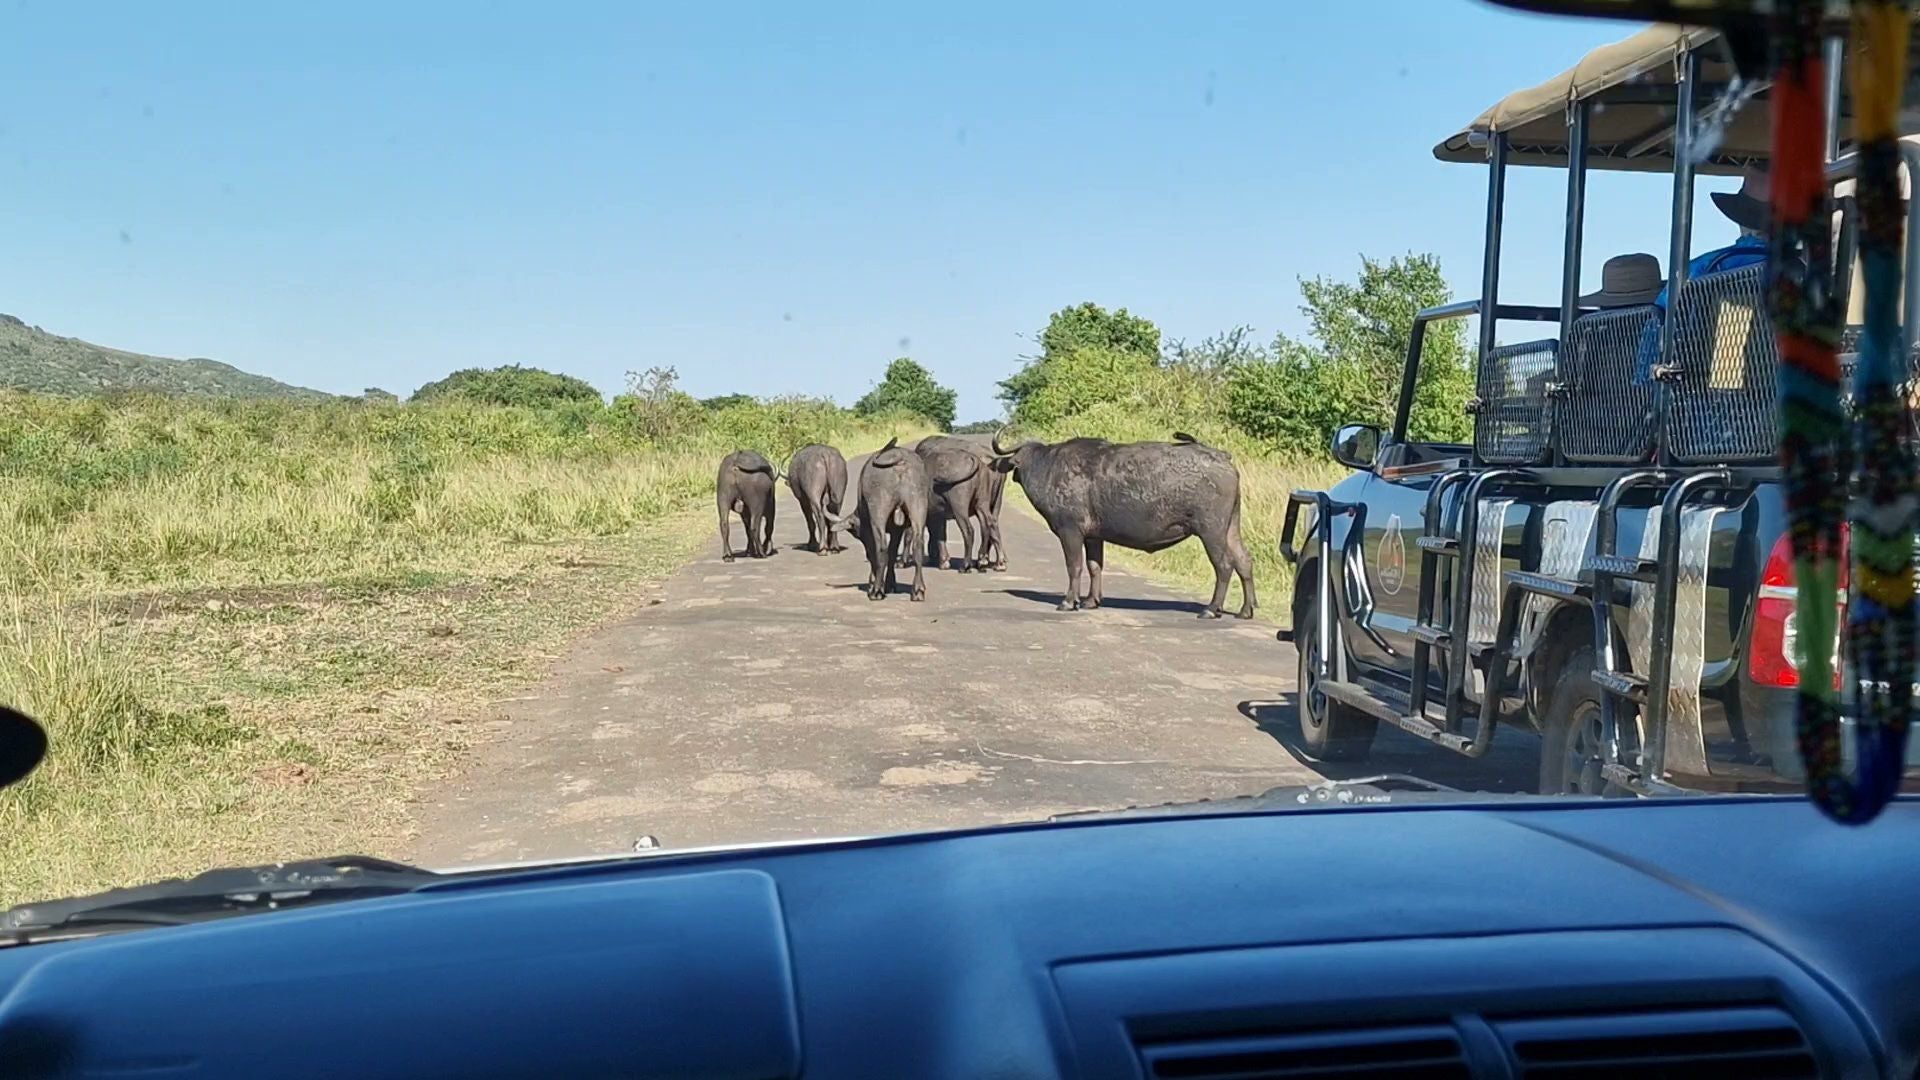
214, 894
1359, 791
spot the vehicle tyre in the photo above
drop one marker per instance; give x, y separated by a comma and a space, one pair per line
1571, 751
1329, 731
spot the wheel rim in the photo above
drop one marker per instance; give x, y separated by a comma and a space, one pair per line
1584, 753
1313, 700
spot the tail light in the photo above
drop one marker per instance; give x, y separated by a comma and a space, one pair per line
1771, 660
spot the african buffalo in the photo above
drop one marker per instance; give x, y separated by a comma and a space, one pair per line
961, 489
891, 501
818, 476
1145, 496
745, 487
981, 500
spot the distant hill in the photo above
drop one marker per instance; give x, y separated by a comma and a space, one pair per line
32, 359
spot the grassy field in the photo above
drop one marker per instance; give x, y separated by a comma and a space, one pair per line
1266, 478
256, 630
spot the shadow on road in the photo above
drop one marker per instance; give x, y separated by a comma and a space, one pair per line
1120, 603
1277, 720
1511, 766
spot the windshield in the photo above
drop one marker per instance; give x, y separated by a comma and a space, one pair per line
466, 437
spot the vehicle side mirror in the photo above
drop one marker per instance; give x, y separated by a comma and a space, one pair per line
1356, 445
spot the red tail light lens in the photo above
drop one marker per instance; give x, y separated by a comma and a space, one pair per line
1771, 659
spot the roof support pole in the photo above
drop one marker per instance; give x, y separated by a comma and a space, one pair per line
1576, 217
1680, 245
1490, 259
1836, 71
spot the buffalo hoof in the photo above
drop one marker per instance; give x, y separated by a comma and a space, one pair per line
822, 551
917, 595
1001, 566
1091, 603
1244, 613
728, 557
1210, 613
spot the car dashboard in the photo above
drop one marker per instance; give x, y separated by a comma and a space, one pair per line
1542, 939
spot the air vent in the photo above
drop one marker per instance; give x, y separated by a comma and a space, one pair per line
1415, 1053
1738, 1044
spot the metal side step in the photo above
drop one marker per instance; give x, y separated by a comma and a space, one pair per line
1393, 711
1640, 785
1626, 567
1547, 585
1623, 684
1442, 638
1439, 545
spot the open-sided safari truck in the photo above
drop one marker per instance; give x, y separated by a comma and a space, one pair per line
1607, 564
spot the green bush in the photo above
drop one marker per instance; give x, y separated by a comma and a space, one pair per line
509, 385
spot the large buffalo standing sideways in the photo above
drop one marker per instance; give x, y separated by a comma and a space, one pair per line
891, 505
745, 487
1145, 496
980, 499
818, 476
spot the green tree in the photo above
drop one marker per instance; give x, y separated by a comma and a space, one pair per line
509, 385
910, 387
1124, 342
726, 401
1348, 370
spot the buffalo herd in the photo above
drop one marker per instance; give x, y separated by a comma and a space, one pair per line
1091, 492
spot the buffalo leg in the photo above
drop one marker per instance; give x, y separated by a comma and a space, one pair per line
1074, 547
965, 521
1243, 566
751, 515
1222, 574
919, 559
726, 538
894, 536
810, 509
1096, 561
990, 525
766, 540
880, 567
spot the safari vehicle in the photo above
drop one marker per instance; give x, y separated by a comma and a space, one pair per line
1607, 563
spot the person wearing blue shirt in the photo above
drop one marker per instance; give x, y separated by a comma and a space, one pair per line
1746, 208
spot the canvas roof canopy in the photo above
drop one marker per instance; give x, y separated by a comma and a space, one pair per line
1633, 84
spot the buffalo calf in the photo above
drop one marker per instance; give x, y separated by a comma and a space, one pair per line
745, 487
818, 476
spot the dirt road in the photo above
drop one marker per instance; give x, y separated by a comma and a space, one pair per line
770, 699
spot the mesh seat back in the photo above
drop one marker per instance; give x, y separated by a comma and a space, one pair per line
1605, 416
1511, 425
1721, 407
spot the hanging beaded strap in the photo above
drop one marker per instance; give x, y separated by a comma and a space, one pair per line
1801, 301
1881, 613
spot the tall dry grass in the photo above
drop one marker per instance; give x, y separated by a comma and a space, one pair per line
194, 734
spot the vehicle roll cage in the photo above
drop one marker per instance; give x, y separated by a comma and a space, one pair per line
1641, 764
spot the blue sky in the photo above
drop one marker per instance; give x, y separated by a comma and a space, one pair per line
770, 198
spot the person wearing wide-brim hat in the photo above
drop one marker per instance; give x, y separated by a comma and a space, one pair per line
1749, 209
1626, 281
